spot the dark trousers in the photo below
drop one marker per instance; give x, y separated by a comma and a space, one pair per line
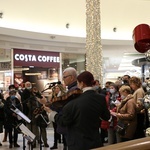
57, 136
15, 136
139, 133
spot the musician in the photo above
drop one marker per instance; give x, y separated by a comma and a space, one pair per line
57, 91
11, 118
82, 116
25, 96
32, 104
70, 78
6, 95
70, 81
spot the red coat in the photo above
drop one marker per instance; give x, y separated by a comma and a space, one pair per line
106, 124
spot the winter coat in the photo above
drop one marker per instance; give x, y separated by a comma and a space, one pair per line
128, 115
82, 117
10, 120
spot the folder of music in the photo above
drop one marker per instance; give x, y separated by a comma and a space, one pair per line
26, 132
20, 114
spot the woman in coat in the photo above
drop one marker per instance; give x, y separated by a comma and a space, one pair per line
138, 94
127, 113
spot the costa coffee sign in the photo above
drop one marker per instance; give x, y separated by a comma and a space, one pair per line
36, 58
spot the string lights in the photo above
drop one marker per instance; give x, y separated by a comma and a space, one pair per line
93, 39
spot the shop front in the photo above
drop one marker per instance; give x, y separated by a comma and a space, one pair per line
38, 67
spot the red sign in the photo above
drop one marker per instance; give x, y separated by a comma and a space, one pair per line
36, 58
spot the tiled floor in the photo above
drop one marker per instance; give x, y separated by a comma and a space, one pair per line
5, 145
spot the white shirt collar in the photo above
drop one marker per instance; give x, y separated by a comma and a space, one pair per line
87, 88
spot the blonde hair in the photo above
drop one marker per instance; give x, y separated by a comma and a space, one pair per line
62, 89
125, 88
136, 81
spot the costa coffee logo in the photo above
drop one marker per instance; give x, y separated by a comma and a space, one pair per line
44, 59
35, 58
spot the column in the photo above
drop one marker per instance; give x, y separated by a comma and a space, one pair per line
93, 40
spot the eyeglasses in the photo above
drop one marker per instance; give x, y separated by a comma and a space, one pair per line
64, 77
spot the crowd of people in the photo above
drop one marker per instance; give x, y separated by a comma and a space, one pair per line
83, 114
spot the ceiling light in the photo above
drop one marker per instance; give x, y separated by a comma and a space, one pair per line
67, 25
20, 69
33, 74
1, 15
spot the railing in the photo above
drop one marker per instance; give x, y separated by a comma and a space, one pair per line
139, 144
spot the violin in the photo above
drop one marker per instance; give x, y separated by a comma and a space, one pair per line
57, 103
70, 94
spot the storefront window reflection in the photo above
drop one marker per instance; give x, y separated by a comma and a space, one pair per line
5, 69
73, 60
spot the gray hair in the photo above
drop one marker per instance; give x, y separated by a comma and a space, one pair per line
71, 71
27, 83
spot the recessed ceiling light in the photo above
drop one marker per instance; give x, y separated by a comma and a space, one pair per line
1, 15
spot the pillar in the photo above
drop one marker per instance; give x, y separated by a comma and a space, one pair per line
93, 39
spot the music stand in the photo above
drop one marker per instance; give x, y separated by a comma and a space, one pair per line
47, 122
20, 114
27, 134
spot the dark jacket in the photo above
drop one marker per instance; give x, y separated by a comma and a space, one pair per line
11, 121
26, 95
82, 116
2, 115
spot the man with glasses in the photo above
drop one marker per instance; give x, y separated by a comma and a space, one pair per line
70, 78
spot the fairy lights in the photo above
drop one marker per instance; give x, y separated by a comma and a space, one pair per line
93, 39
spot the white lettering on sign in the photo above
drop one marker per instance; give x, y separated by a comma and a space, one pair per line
48, 59
26, 58
40, 58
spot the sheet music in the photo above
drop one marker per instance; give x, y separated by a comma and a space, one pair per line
19, 113
27, 133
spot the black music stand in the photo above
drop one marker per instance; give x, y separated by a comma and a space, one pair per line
27, 134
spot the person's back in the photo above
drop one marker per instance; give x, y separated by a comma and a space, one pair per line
87, 111
82, 117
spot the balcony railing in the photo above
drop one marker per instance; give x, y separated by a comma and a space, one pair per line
139, 144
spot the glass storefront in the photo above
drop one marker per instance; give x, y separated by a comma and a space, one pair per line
40, 74
5, 69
